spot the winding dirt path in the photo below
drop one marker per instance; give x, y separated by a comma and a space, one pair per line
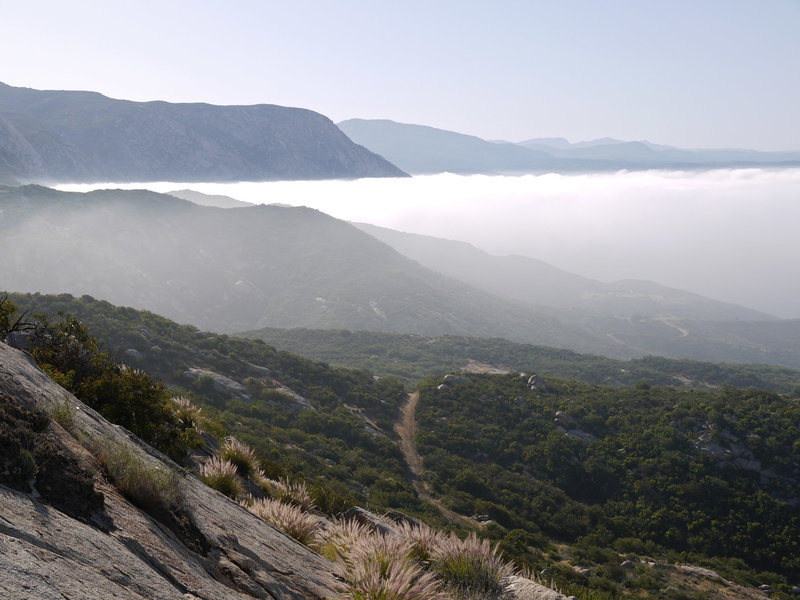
406, 428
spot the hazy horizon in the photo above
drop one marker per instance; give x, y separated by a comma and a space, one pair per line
727, 234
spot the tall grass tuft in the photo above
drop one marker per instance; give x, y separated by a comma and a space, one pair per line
288, 518
241, 455
221, 475
146, 486
381, 567
422, 540
188, 414
63, 413
338, 539
398, 581
286, 491
471, 568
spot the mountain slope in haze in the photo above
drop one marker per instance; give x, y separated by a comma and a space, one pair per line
66, 136
209, 199
420, 149
530, 280
274, 266
243, 268
659, 155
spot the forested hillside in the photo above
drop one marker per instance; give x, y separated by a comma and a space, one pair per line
608, 491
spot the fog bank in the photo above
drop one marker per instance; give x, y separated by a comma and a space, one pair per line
731, 234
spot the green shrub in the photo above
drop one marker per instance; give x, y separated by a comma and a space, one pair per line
63, 413
27, 464
128, 397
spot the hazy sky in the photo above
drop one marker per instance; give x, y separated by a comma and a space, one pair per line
691, 73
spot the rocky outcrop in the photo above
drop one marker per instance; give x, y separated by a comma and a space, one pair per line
84, 136
519, 588
221, 383
221, 551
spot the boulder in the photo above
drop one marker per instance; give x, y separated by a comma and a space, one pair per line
452, 380
221, 383
373, 521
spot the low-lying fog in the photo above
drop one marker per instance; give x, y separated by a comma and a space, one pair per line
731, 234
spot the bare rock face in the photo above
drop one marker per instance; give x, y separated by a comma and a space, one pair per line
217, 550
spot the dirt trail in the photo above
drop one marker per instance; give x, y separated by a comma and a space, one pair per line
406, 428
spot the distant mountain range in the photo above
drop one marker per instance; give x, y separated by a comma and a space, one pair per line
72, 136
425, 150
238, 269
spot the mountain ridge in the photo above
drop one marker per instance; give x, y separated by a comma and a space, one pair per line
74, 136
421, 149
534, 281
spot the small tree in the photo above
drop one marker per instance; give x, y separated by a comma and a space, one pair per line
9, 321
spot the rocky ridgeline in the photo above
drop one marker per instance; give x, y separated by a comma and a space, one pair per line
84, 136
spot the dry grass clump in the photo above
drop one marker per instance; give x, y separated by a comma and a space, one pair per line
188, 414
414, 562
422, 540
471, 568
288, 518
241, 455
339, 538
147, 486
286, 491
221, 475
382, 568
398, 580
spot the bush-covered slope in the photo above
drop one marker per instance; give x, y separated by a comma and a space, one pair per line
302, 416
709, 474
642, 476
411, 358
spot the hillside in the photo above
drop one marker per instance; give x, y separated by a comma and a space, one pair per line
420, 149
411, 358
530, 280
65, 136
333, 428
242, 268
275, 266
644, 470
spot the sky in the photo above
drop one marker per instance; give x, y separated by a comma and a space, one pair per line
688, 73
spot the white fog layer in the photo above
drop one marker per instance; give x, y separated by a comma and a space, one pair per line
730, 235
